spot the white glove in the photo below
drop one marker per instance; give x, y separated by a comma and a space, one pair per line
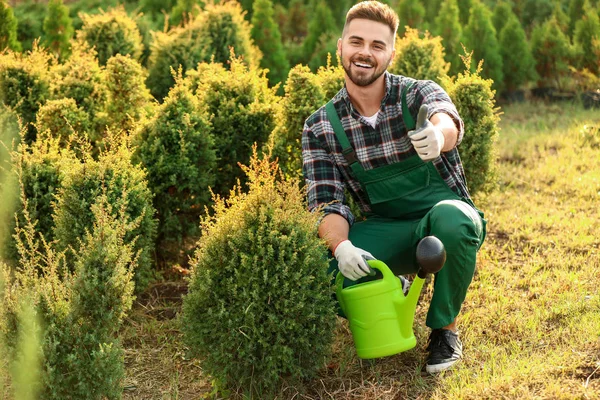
352, 260
427, 140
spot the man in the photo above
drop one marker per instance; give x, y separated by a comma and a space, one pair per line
406, 175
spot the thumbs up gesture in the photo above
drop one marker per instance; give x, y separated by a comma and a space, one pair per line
427, 139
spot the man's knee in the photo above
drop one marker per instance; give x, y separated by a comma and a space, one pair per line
454, 222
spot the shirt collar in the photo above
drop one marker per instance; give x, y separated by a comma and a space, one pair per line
388, 89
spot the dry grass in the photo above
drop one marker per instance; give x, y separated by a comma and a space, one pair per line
531, 321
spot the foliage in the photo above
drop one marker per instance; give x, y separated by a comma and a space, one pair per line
128, 98
184, 11
8, 28
176, 148
536, 12
320, 24
474, 100
80, 313
267, 37
502, 14
575, 13
447, 25
64, 120
561, 18
58, 29
242, 110
296, 24
259, 308
517, 62
330, 79
30, 17
206, 38
480, 37
587, 38
465, 6
551, 50
125, 187
420, 57
24, 84
110, 33
326, 47
411, 14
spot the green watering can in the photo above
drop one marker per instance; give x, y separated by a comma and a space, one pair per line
381, 317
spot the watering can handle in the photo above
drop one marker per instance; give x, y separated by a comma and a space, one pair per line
373, 264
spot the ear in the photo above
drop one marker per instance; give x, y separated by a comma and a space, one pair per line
339, 47
392, 57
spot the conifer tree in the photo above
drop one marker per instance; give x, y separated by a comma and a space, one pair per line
447, 25
411, 14
432, 10
465, 6
320, 24
575, 13
480, 36
517, 61
183, 11
266, 35
58, 28
8, 28
535, 12
587, 39
502, 14
551, 50
561, 17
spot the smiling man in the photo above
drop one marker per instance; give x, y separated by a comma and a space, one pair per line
391, 142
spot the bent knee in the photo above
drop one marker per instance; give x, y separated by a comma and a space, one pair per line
455, 220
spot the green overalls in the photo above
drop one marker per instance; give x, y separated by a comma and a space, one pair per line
409, 200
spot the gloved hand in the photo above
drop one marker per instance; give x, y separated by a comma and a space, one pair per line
427, 140
352, 260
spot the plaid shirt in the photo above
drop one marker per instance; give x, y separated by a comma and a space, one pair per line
325, 169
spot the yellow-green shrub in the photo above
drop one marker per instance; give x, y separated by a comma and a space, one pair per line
24, 84
110, 33
420, 57
474, 99
125, 186
62, 119
242, 111
259, 307
176, 148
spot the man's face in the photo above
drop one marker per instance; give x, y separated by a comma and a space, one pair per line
366, 50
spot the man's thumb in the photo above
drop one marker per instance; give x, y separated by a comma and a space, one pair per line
422, 117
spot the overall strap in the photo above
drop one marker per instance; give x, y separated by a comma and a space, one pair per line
409, 121
347, 150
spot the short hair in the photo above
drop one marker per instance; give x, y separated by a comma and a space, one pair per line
374, 11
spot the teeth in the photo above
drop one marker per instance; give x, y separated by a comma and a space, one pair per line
362, 65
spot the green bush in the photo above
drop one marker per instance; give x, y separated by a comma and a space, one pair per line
64, 120
420, 57
474, 99
58, 29
242, 111
206, 38
326, 47
447, 25
184, 11
30, 16
331, 80
480, 36
8, 28
587, 39
83, 80
177, 150
128, 98
259, 307
267, 37
110, 33
125, 186
411, 14
552, 52
24, 84
79, 313
517, 62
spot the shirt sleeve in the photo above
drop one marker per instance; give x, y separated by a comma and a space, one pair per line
438, 101
324, 184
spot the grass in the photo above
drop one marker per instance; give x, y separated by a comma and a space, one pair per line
530, 324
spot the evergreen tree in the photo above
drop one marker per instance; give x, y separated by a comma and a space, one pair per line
411, 14
267, 37
464, 6
184, 11
447, 25
297, 22
432, 10
339, 8
587, 39
502, 14
517, 61
8, 28
561, 17
58, 28
575, 13
480, 36
551, 50
322, 23
535, 12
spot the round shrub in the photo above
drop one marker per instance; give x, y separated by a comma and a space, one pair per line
125, 186
177, 150
128, 98
110, 33
474, 99
420, 58
259, 307
62, 119
24, 85
242, 111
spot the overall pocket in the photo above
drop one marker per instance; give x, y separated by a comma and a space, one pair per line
406, 186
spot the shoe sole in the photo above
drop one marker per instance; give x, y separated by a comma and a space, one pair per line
437, 368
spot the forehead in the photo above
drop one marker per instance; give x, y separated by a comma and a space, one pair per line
369, 30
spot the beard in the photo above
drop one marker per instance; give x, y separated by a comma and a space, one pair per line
363, 77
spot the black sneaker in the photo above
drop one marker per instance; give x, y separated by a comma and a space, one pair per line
445, 349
